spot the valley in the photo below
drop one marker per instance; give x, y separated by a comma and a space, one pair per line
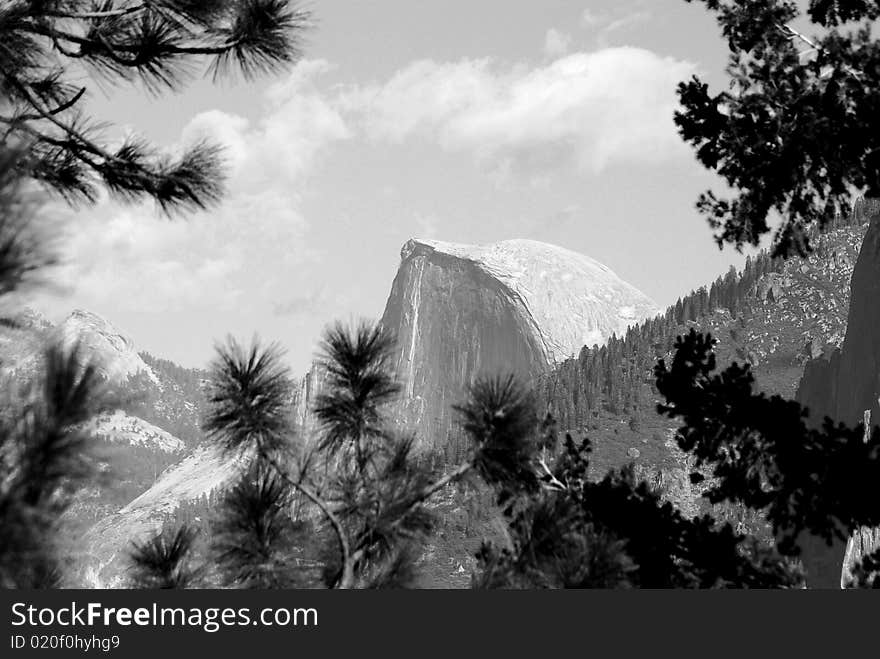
585, 339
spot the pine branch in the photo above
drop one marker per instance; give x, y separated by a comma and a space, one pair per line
158, 41
161, 561
66, 105
346, 580
85, 15
790, 31
193, 180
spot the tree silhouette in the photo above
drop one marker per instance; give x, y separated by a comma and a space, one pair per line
254, 536
25, 247
358, 475
45, 45
162, 561
570, 531
797, 132
44, 457
762, 455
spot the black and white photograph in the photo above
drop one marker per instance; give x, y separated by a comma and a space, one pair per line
419, 295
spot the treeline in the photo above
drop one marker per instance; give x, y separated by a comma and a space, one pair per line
177, 406
188, 379
618, 376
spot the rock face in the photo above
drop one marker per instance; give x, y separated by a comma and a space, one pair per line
119, 427
864, 542
112, 352
518, 306
859, 371
845, 385
305, 391
106, 544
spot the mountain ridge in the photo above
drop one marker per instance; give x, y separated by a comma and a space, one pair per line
791, 297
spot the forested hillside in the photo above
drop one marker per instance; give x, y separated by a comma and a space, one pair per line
775, 314
175, 404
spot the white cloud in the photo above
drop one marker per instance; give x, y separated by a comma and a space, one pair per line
556, 43
248, 253
626, 21
520, 122
607, 22
593, 109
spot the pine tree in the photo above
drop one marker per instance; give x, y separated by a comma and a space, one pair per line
796, 131
254, 536
570, 531
44, 47
162, 562
361, 478
159, 43
44, 457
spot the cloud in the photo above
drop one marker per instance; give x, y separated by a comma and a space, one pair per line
626, 21
588, 109
244, 255
556, 43
253, 257
608, 22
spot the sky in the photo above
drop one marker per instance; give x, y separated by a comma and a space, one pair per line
467, 121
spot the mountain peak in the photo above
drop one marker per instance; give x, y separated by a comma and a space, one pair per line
573, 299
112, 351
513, 307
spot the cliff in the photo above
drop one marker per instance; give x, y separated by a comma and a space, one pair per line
518, 306
845, 385
103, 560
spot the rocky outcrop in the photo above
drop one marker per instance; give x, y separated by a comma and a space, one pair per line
859, 372
105, 546
517, 307
865, 541
845, 385
112, 352
305, 392
130, 451
117, 427
673, 481
818, 386
772, 287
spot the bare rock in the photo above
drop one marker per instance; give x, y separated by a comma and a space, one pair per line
518, 306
